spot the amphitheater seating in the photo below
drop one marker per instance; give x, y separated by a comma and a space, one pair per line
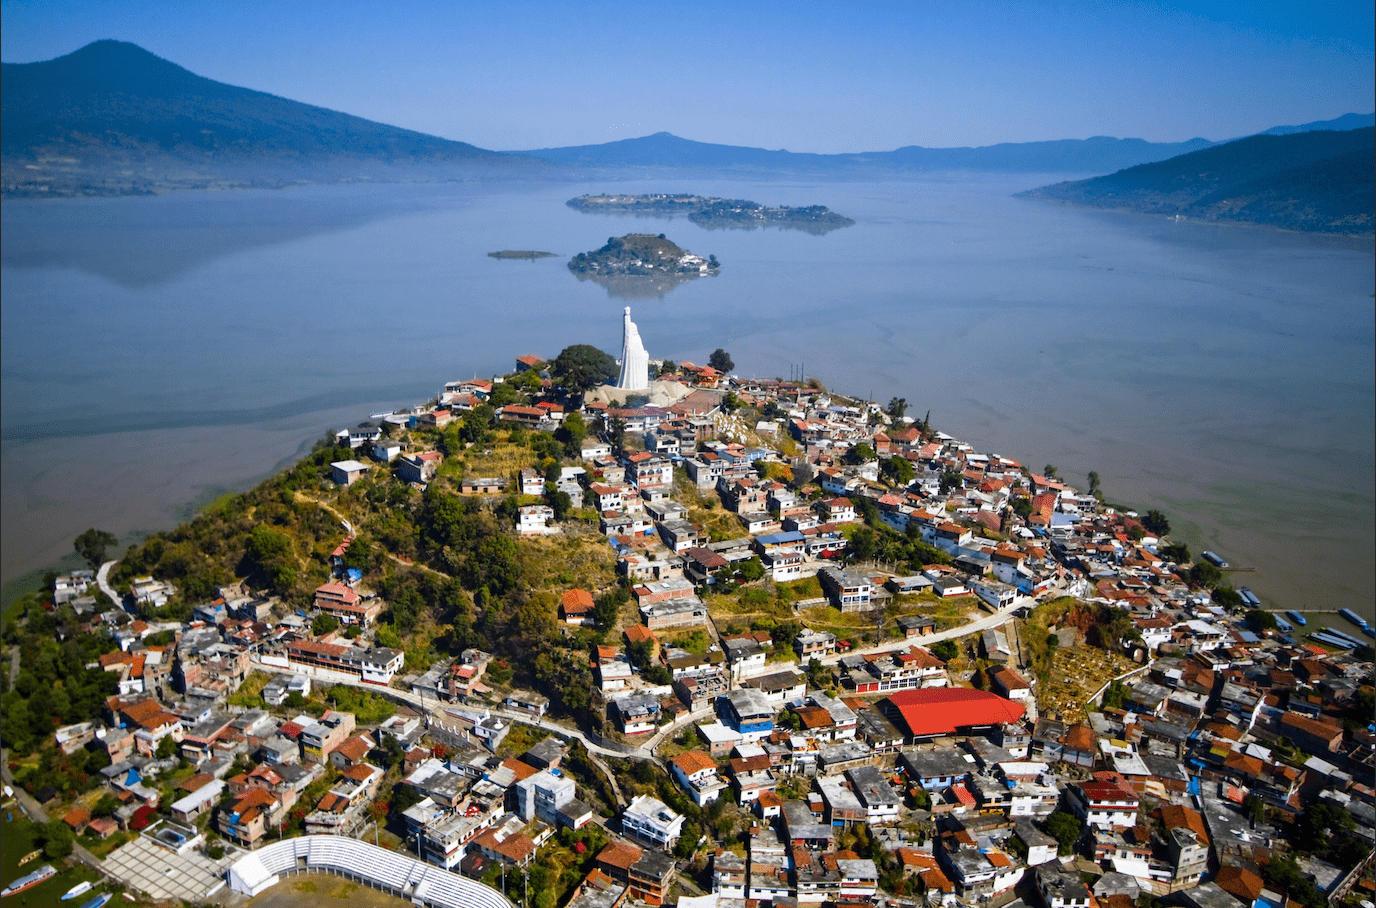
403, 875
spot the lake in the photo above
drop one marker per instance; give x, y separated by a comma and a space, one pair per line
159, 352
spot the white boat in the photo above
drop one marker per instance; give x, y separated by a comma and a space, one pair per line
29, 880
76, 890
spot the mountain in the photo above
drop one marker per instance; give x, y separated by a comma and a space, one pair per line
112, 118
664, 150
1321, 181
1341, 124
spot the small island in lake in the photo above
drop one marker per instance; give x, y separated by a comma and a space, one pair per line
521, 254
640, 265
712, 212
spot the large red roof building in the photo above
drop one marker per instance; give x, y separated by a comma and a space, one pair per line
934, 711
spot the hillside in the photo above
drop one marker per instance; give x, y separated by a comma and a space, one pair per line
112, 118
713, 213
1313, 181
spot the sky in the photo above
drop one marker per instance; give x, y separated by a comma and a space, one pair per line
808, 76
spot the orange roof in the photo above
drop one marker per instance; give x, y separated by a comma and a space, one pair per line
577, 599
521, 770
691, 761
619, 855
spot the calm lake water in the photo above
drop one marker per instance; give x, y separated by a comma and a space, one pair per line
157, 352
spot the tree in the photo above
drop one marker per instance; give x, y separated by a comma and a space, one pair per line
582, 367
1093, 481
861, 453
562, 505
1156, 523
1049, 471
945, 650
571, 434
92, 545
324, 623
1065, 829
721, 360
751, 570
897, 407
897, 470
1261, 620
953, 479
616, 433
1176, 552
730, 403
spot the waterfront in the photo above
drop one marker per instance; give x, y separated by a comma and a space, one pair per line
158, 351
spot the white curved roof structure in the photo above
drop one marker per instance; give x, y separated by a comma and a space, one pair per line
407, 877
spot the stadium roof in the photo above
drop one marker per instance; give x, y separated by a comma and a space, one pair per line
943, 710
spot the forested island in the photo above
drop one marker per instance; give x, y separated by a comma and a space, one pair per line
713, 212
642, 255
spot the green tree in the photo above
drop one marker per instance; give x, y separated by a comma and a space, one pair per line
92, 545
1049, 471
582, 367
897, 407
897, 470
571, 433
1065, 829
1176, 553
324, 623
1261, 620
945, 650
562, 505
861, 453
1093, 481
721, 360
1156, 523
751, 569
953, 479
57, 840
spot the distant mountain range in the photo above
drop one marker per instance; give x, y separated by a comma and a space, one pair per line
114, 119
1321, 181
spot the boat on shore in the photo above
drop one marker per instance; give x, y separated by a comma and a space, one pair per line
80, 888
1213, 559
1296, 617
97, 902
29, 880
1353, 617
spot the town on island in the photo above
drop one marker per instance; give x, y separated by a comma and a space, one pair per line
606, 632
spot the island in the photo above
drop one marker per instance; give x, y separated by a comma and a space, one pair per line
608, 629
711, 212
528, 254
642, 255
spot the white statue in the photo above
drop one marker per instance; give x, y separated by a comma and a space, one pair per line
635, 362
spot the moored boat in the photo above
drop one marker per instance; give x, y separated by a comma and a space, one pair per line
1296, 617
29, 880
98, 901
78, 889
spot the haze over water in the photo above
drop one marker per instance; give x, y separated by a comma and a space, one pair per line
159, 351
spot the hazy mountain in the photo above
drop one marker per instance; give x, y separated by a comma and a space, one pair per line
114, 118
664, 150
1322, 181
1345, 122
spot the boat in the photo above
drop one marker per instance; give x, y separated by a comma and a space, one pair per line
77, 890
1283, 626
1353, 617
29, 880
1296, 617
1248, 597
1334, 638
98, 901
1213, 559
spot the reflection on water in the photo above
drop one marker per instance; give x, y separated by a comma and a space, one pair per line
637, 286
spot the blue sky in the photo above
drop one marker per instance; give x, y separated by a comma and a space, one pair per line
803, 76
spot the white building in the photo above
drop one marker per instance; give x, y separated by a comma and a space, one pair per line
651, 821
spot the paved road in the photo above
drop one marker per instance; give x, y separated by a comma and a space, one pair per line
103, 581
